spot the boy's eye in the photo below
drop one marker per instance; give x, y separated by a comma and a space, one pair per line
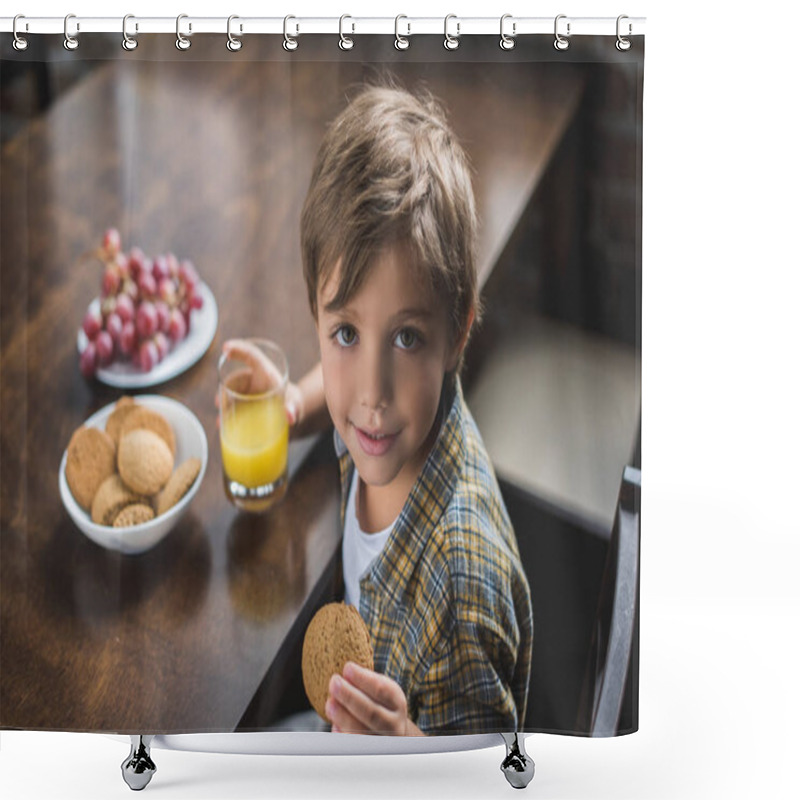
345, 335
407, 338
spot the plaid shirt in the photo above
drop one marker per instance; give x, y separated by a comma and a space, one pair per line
446, 602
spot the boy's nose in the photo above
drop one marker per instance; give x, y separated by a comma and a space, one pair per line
376, 382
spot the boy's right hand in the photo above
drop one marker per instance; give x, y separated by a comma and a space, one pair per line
259, 375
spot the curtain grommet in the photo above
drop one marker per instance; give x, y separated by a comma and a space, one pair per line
20, 43
345, 42
70, 42
289, 42
234, 43
623, 44
401, 42
561, 42
129, 42
451, 42
182, 42
507, 41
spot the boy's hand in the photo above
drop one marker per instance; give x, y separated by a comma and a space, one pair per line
259, 375
363, 701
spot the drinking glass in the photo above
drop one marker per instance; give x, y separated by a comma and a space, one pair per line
254, 430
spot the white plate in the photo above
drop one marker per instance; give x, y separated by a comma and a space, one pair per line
187, 352
190, 441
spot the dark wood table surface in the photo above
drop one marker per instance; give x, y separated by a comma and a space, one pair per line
210, 160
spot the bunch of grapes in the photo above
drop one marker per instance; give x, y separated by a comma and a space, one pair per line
145, 307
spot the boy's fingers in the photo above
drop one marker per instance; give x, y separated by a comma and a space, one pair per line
239, 381
342, 719
378, 687
265, 374
369, 714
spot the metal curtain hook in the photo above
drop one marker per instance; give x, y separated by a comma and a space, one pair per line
182, 43
507, 42
345, 42
401, 42
561, 43
128, 42
451, 42
234, 43
289, 42
70, 42
20, 42
623, 44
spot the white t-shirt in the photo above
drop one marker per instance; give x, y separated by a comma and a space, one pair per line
359, 549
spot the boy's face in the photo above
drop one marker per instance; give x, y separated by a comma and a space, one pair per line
384, 356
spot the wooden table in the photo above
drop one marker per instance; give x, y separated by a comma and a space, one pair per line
209, 159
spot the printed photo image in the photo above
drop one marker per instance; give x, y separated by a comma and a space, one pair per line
320, 376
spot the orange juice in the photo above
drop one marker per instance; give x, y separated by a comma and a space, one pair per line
254, 436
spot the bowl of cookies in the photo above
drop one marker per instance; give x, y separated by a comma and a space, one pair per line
131, 471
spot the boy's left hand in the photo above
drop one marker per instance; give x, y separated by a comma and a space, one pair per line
363, 701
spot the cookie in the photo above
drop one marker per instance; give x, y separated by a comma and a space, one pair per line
90, 460
134, 514
144, 461
335, 635
123, 407
112, 496
178, 484
142, 417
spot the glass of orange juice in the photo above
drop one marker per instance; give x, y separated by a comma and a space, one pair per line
254, 429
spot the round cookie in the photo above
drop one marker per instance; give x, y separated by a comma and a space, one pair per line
134, 514
178, 484
335, 635
142, 417
123, 407
112, 496
90, 460
144, 461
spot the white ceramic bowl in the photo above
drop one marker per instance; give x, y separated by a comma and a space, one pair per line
190, 440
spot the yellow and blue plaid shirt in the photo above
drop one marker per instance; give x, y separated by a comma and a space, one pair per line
446, 601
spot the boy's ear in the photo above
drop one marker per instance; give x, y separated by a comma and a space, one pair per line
459, 346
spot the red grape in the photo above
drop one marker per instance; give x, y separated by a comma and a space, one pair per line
160, 268
111, 280
111, 241
131, 289
114, 326
127, 339
125, 308
92, 324
162, 345
146, 320
105, 348
166, 290
147, 283
88, 360
188, 275
177, 326
196, 301
108, 305
123, 266
136, 259
172, 264
162, 311
148, 355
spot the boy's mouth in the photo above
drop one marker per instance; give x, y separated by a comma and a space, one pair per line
375, 444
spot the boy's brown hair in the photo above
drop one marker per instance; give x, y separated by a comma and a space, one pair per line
390, 171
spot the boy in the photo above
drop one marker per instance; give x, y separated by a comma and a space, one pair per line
429, 555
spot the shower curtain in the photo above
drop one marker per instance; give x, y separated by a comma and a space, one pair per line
151, 209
